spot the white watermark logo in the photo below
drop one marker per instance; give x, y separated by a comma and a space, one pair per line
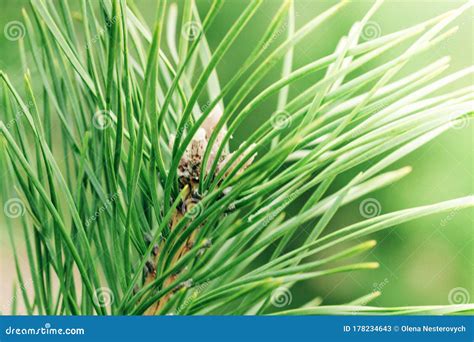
191, 30
103, 296
281, 297
281, 120
14, 30
370, 207
459, 295
14, 208
102, 119
371, 30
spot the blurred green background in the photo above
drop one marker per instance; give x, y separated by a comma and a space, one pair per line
421, 261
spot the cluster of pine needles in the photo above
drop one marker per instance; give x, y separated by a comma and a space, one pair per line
136, 201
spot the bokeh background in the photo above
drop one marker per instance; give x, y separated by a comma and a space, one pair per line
421, 261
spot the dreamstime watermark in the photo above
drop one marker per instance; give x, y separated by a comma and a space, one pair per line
102, 119
275, 36
14, 30
96, 37
188, 125
25, 286
14, 208
459, 122
370, 110
378, 286
45, 330
369, 208
371, 30
356, 310
191, 30
108, 203
281, 120
459, 295
377, 107
205, 107
194, 209
103, 296
275, 212
194, 295
448, 218
281, 297
18, 115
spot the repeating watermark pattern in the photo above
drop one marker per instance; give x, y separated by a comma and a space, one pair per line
108, 203
14, 208
14, 30
275, 212
372, 109
194, 208
281, 297
96, 37
191, 30
18, 115
205, 106
275, 36
281, 120
371, 30
377, 107
102, 119
361, 304
369, 208
459, 295
25, 286
103, 296
445, 220
459, 122
377, 287
188, 301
